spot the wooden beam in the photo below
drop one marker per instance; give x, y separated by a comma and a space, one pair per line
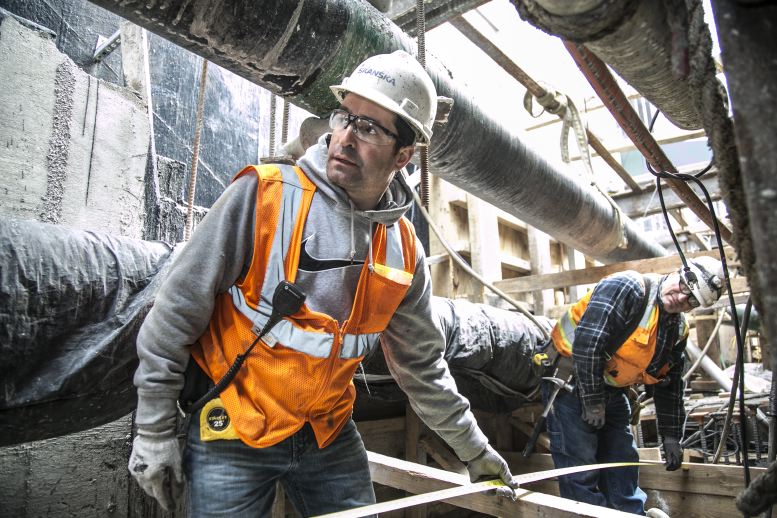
413, 452
645, 203
616, 166
595, 274
527, 429
483, 243
703, 479
539, 254
576, 261
436, 448
677, 214
514, 263
416, 478
625, 146
381, 426
695, 491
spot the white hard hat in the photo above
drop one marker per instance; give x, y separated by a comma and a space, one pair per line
709, 280
398, 83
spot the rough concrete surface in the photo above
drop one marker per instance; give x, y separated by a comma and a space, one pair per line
64, 132
81, 475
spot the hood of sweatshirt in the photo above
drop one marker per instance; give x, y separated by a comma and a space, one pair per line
395, 201
337, 237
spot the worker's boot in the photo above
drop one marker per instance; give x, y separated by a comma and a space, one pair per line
655, 512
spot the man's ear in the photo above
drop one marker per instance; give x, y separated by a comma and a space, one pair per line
404, 155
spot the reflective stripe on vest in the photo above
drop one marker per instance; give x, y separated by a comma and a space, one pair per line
308, 342
318, 344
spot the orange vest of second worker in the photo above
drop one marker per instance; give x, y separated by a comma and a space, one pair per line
627, 365
302, 370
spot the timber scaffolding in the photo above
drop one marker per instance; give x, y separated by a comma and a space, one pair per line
510, 227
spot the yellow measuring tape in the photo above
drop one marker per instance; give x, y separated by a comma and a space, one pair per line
443, 494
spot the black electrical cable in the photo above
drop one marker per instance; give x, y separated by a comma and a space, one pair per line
697, 175
739, 384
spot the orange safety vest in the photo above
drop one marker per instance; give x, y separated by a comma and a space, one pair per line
302, 370
627, 365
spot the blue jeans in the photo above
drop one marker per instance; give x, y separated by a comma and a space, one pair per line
573, 442
229, 478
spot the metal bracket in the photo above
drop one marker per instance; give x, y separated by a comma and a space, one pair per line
105, 46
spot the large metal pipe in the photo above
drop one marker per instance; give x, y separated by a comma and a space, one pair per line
298, 49
644, 41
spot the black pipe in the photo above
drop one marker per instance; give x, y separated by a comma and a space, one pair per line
297, 49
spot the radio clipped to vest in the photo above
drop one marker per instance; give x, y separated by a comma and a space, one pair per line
287, 299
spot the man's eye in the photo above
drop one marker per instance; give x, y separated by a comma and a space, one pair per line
369, 128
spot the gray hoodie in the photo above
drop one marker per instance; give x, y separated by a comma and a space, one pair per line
336, 242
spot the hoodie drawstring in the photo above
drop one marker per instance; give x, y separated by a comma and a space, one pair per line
369, 240
353, 247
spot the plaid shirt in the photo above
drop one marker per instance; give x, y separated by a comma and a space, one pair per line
614, 303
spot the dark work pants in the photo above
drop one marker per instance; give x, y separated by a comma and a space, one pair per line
573, 442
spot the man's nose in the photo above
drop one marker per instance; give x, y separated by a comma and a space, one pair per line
348, 135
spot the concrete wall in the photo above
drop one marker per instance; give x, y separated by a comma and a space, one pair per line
73, 151
73, 147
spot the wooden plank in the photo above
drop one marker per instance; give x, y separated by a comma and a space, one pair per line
672, 501
679, 504
278, 509
539, 254
646, 203
685, 229
483, 243
576, 261
616, 166
435, 448
381, 426
416, 478
595, 274
701, 479
514, 263
414, 453
386, 436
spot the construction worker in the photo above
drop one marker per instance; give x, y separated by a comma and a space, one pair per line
630, 329
333, 225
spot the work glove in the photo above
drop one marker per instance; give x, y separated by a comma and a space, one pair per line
673, 453
490, 464
155, 462
593, 414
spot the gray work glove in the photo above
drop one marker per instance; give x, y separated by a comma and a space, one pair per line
593, 414
673, 453
155, 462
490, 464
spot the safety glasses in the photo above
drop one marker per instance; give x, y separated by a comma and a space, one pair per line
363, 128
686, 290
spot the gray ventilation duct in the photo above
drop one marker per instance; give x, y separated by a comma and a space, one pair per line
297, 49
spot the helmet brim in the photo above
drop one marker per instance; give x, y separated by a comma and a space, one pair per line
386, 102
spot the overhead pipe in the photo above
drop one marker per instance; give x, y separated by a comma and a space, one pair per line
644, 41
403, 12
538, 91
664, 50
297, 49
